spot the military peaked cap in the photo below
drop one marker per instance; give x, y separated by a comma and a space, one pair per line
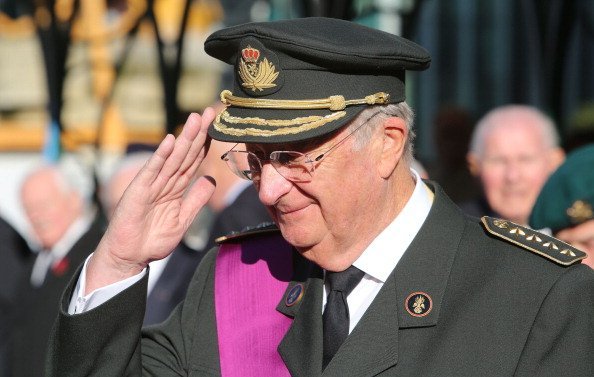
567, 198
303, 78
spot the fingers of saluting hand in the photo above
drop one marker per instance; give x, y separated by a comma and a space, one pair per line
179, 156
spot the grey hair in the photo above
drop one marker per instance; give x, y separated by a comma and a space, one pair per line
66, 181
496, 117
376, 115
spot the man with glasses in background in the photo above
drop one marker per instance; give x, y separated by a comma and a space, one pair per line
367, 270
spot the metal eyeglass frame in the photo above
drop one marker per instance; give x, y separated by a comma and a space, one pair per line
280, 164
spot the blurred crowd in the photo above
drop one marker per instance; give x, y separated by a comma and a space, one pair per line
509, 163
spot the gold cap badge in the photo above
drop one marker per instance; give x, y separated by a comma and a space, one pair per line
256, 76
580, 211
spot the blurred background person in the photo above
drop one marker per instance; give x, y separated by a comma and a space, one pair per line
513, 150
169, 277
565, 206
235, 200
67, 229
14, 255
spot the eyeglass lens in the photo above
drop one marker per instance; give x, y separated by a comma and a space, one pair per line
294, 166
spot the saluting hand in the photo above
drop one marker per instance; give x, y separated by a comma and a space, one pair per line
157, 208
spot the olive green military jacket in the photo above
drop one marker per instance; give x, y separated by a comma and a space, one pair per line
501, 304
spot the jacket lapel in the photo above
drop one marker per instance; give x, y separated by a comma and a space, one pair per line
425, 267
301, 347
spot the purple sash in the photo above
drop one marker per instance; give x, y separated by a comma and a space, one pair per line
250, 280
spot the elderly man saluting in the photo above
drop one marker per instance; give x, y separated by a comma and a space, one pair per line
368, 271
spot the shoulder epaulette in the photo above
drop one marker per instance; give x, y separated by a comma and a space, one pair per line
534, 241
260, 229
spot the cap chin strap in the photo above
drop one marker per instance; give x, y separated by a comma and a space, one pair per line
333, 103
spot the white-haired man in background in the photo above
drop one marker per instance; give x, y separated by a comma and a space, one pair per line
64, 225
513, 150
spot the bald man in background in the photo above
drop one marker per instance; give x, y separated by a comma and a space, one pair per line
513, 150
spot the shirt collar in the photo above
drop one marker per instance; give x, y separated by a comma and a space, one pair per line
383, 254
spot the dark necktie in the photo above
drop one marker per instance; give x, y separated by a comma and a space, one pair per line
336, 313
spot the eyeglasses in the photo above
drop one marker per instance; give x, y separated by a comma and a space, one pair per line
293, 166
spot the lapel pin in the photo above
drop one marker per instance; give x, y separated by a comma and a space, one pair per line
418, 304
294, 295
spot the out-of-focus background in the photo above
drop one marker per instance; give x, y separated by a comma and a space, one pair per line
81, 81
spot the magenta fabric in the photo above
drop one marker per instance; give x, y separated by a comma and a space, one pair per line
250, 281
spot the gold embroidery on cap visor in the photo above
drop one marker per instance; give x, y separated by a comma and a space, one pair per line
287, 126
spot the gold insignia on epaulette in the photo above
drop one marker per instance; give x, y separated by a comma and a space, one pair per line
534, 237
500, 223
529, 239
264, 228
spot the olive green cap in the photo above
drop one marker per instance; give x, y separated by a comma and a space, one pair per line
567, 198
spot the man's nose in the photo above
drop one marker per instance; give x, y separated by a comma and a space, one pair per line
272, 185
513, 171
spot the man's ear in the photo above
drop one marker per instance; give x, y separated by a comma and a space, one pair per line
473, 164
394, 138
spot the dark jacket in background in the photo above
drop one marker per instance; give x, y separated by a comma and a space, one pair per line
170, 289
14, 256
478, 208
246, 211
38, 306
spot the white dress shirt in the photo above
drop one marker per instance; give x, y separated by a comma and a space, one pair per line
80, 303
383, 254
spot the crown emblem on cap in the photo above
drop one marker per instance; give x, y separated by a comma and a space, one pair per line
580, 211
250, 55
256, 76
